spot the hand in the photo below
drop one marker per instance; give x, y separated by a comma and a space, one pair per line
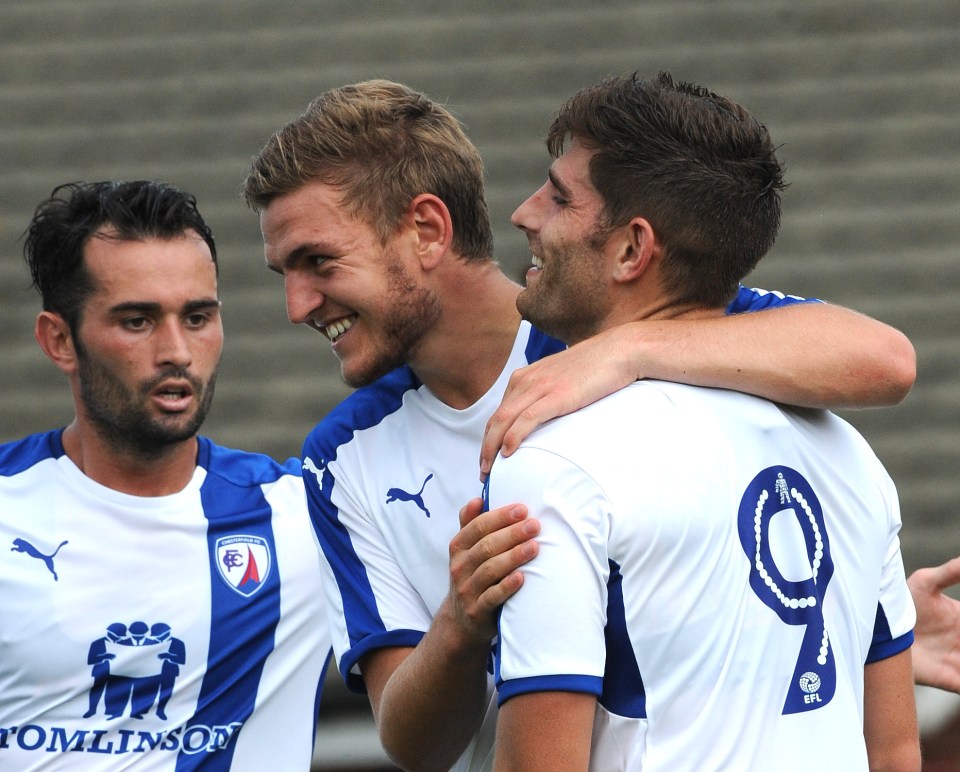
485, 557
936, 648
557, 385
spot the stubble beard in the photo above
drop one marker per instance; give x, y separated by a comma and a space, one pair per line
568, 302
409, 315
121, 418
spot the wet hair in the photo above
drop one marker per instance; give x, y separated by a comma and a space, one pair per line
75, 212
696, 165
380, 144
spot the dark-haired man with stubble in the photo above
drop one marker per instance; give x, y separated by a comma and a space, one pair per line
719, 582
158, 605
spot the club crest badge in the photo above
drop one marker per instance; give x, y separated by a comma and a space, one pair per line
244, 562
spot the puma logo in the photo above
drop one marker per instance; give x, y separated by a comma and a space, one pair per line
398, 494
316, 470
21, 545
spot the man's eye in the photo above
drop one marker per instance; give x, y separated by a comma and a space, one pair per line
559, 200
135, 323
197, 320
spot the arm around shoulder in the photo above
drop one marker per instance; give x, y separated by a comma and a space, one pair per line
814, 355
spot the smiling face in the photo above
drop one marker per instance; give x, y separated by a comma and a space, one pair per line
566, 291
342, 280
149, 341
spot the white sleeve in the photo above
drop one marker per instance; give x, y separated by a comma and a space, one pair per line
896, 614
371, 601
551, 633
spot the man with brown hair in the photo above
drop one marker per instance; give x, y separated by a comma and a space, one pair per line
719, 578
372, 209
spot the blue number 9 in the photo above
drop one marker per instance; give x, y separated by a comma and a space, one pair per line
780, 489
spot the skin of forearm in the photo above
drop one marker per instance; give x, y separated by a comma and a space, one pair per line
812, 355
434, 702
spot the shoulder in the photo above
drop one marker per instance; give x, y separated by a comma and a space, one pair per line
243, 468
649, 415
20, 455
364, 409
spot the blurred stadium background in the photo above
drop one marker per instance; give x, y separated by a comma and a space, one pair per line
863, 95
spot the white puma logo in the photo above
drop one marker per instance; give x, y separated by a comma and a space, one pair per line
316, 470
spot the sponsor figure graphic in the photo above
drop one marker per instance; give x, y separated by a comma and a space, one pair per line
132, 667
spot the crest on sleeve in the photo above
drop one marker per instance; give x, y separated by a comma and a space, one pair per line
244, 562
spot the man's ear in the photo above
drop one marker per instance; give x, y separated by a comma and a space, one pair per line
53, 334
637, 250
432, 227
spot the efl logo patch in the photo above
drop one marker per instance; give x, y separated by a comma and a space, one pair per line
244, 562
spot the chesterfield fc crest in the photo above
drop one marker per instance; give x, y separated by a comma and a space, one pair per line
244, 562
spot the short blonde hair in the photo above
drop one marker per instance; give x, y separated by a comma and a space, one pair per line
381, 144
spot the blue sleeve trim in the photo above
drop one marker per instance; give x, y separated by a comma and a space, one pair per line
886, 649
549, 683
392, 639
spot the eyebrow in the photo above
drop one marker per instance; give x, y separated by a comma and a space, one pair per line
192, 306
562, 189
296, 254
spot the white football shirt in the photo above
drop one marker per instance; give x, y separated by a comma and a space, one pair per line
386, 473
168, 633
714, 568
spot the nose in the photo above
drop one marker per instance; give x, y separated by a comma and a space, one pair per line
524, 216
174, 347
303, 298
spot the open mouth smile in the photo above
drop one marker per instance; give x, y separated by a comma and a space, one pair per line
334, 329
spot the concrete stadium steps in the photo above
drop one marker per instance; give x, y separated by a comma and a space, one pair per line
863, 96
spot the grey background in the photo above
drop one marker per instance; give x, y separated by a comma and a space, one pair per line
864, 97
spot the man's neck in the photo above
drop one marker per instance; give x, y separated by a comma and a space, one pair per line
163, 474
465, 354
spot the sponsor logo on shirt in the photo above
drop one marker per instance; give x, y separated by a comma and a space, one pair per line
134, 667
196, 738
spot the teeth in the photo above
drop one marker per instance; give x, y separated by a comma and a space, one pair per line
537, 262
335, 329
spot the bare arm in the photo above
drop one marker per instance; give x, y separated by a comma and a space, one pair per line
810, 355
890, 715
526, 742
429, 701
936, 651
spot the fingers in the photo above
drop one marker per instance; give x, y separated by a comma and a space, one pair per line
936, 578
486, 534
946, 575
533, 395
508, 427
470, 510
485, 558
